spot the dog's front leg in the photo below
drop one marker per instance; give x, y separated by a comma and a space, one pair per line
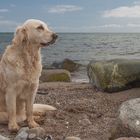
29, 110
11, 109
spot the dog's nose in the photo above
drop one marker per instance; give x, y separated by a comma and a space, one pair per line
55, 36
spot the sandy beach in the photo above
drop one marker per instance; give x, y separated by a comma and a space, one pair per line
81, 110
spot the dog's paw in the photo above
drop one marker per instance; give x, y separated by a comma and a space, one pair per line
39, 119
33, 124
13, 127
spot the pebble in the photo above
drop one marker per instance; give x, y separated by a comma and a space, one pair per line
3, 138
23, 129
22, 135
72, 138
49, 138
31, 134
36, 132
85, 122
130, 138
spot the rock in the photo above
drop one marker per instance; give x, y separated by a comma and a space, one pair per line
37, 132
85, 122
49, 138
22, 135
23, 129
55, 75
129, 118
130, 138
66, 64
34, 133
72, 138
114, 75
3, 138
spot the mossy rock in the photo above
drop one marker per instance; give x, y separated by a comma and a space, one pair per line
55, 75
114, 75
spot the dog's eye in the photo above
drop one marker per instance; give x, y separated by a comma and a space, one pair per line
40, 27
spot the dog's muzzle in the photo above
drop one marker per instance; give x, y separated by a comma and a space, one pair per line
54, 37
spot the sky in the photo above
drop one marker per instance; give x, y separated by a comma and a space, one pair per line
73, 15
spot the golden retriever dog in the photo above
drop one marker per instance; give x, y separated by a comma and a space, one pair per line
20, 69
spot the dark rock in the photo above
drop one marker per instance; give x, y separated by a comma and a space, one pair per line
114, 75
49, 138
66, 64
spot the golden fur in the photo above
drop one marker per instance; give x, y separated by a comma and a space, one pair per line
20, 69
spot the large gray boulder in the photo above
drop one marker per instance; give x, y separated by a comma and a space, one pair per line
129, 117
127, 123
114, 75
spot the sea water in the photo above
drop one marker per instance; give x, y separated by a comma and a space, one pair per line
84, 47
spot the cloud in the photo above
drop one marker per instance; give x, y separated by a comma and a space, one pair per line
133, 25
110, 26
91, 28
60, 9
123, 12
4, 10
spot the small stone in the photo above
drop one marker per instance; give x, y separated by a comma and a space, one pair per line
32, 136
23, 129
23, 135
130, 138
37, 132
38, 138
85, 122
3, 138
72, 138
49, 137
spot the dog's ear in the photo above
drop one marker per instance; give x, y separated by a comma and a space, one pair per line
20, 37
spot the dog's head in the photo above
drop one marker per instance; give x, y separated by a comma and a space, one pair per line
34, 32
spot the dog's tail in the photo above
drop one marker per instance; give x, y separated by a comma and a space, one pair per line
42, 108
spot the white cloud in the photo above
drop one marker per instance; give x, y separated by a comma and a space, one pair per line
4, 10
64, 8
133, 25
111, 26
124, 12
91, 28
